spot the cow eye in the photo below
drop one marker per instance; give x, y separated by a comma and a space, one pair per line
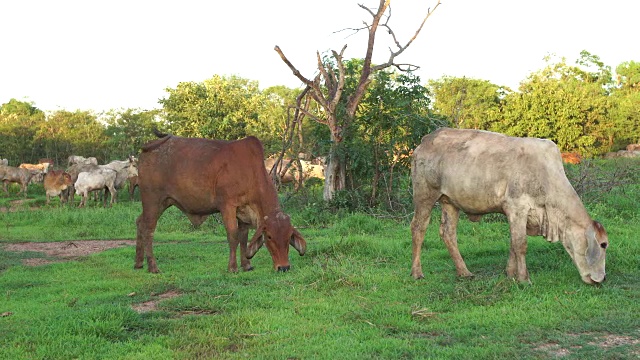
604, 245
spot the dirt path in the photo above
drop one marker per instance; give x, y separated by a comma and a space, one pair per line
66, 250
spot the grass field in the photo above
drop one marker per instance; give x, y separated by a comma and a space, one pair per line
350, 297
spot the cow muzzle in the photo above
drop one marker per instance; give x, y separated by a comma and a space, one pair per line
594, 279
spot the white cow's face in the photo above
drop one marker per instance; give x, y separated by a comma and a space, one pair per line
588, 250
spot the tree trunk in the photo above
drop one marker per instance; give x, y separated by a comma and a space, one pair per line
335, 172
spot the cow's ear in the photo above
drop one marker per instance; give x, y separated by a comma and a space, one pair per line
593, 249
297, 241
256, 242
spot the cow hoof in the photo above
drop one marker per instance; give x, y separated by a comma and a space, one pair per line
248, 268
418, 276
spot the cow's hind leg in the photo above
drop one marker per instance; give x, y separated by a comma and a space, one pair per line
146, 226
448, 233
423, 204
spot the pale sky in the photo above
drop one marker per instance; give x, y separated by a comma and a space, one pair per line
101, 55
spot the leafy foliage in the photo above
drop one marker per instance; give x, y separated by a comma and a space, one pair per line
579, 106
468, 103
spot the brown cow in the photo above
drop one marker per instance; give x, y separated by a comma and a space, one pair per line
571, 158
35, 167
202, 177
633, 147
55, 182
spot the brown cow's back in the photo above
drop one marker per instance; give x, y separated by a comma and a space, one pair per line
194, 171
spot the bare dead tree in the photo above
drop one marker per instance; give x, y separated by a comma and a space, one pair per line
327, 87
293, 128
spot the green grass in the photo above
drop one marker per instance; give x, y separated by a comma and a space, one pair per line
350, 297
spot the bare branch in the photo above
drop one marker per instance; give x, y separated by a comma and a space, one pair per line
296, 72
401, 48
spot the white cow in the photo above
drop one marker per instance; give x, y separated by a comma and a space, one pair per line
124, 170
481, 172
96, 179
80, 160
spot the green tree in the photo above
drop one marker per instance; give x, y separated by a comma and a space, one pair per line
327, 89
19, 123
75, 133
567, 104
468, 103
220, 107
128, 130
274, 119
390, 122
625, 112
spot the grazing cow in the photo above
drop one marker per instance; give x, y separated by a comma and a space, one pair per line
36, 167
55, 182
96, 179
4, 162
22, 176
481, 172
201, 177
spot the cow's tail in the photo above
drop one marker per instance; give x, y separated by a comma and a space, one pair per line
150, 146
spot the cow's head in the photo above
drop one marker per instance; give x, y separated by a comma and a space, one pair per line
66, 179
588, 249
277, 233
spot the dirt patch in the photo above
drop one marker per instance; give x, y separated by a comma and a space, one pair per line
65, 251
152, 305
555, 350
14, 205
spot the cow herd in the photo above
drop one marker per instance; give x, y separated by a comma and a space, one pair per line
81, 177
476, 172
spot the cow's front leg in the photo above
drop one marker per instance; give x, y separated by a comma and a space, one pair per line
231, 225
517, 265
243, 238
